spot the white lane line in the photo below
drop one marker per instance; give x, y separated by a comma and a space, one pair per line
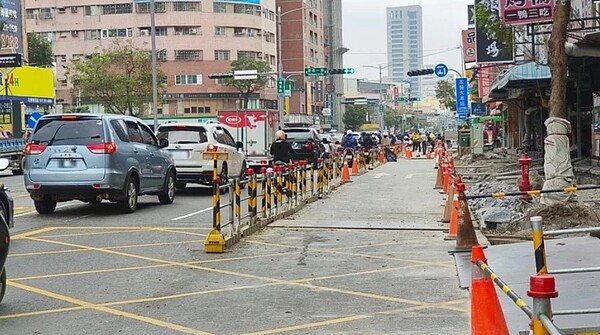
192, 214
409, 176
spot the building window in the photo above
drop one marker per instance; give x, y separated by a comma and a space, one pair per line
196, 110
91, 34
160, 31
144, 7
161, 55
118, 33
120, 8
188, 54
187, 31
219, 7
239, 32
31, 14
46, 13
186, 6
188, 79
246, 9
220, 31
247, 54
221, 54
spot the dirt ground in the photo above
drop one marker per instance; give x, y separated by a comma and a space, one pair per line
581, 211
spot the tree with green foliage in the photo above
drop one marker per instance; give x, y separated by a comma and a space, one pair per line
247, 87
119, 78
355, 116
558, 168
445, 92
39, 50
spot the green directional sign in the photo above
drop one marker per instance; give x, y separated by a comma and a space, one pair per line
280, 85
315, 71
381, 109
402, 99
348, 70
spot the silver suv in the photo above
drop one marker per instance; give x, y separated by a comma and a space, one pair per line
189, 141
92, 158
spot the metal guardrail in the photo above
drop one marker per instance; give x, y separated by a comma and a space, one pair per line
279, 191
544, 290
570, 189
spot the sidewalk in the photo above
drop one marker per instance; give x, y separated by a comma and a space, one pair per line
373, 256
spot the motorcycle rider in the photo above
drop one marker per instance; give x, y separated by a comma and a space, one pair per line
366, 140
349, 141
281, 149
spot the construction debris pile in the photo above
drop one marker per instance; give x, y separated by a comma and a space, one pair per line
499, 171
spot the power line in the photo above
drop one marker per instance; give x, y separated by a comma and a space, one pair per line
385, 53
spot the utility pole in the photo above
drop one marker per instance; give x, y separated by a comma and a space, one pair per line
279, 66
154, 79
381, 105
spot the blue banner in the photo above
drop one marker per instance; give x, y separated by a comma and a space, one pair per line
12, 32
462, 98
478, 109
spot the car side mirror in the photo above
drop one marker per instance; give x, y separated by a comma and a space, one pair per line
239, 145
163, 143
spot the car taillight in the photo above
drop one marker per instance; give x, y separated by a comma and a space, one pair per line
33, 149
102, 148
310, 146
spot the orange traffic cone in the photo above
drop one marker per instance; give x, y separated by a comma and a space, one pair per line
428, 153
439, 180
487, 317
346, 173
446, 216
381, 158
355, 171
407, 153
453, 226
465, 232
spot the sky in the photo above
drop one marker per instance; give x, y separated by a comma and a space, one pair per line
365, 32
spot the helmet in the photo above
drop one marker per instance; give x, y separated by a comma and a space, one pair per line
348, 132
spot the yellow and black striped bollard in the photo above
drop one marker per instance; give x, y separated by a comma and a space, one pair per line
539, 251
215, 243
238, 200
269, 193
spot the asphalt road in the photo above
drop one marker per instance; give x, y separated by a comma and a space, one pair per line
336, 267
192, 208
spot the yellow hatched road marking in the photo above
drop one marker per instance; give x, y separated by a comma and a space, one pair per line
115, 247
112, 311
31, 233
22, 210
79, 273
245, 275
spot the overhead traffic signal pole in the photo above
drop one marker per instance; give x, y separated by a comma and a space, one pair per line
381, 99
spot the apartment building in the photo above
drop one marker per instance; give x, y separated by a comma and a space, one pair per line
303, 45
193, 38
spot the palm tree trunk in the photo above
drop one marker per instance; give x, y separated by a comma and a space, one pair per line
558, 168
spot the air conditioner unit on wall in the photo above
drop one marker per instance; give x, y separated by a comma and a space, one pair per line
73, 9
74, 33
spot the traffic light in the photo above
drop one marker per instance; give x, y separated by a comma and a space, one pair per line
341, 71
280, 86
220, 75
422, 72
